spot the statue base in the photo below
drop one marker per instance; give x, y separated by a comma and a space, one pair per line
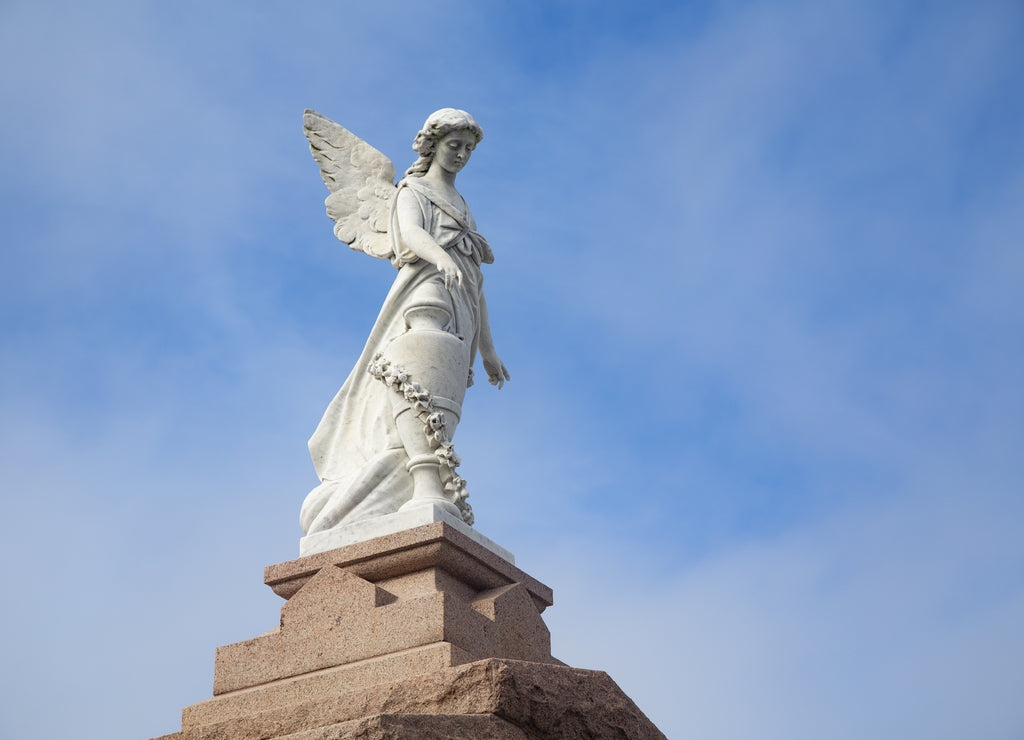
380, 526
423, 633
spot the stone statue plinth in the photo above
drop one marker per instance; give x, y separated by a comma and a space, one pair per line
387, 524
422, 633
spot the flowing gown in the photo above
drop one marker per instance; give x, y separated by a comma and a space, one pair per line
356, 449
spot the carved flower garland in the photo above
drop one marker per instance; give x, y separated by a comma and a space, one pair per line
434, 427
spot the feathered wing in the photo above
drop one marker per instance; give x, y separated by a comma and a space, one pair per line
361, 181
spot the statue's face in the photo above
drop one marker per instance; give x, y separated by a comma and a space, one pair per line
454, 149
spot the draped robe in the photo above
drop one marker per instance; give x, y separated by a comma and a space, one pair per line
356, 449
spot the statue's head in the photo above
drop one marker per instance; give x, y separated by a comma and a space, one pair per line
438, 125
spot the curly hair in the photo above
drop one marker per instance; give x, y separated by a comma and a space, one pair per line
438, 125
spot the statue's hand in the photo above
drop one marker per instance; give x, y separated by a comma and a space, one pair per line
497, 373
452, 274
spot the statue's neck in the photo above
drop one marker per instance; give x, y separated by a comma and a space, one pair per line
440, 176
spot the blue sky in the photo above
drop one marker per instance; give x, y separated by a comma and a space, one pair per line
758, 282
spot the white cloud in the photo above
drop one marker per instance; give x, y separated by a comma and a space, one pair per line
882, 622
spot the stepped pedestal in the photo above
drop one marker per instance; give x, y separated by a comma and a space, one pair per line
423, 633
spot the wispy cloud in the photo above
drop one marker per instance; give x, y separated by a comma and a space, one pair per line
870, 624
756, 283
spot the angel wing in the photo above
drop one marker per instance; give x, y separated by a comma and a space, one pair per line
361, 181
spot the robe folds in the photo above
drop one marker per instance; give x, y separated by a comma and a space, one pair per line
356, 449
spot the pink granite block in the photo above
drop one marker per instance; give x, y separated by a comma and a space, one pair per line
336, 618
432, 545
334, 681
543, 700
418, 726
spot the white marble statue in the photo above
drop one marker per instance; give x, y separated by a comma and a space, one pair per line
385, 442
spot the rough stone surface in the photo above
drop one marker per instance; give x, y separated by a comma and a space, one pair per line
540, 700
419, 726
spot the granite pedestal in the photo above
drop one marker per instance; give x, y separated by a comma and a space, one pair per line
422, 633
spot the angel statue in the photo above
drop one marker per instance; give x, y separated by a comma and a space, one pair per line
385, 441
